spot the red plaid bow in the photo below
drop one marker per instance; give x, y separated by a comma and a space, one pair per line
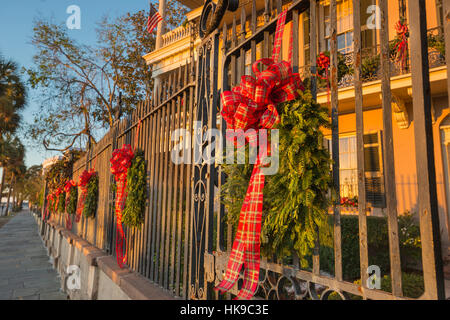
69, 185
252, 105
323, 62
120, 163
58, 192
49, 206
83, 183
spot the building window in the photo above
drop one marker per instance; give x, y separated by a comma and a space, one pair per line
348, 171
344, 26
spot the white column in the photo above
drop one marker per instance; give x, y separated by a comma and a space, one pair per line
162, 24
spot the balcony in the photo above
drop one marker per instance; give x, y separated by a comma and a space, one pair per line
401, 84
177, 34
371, 67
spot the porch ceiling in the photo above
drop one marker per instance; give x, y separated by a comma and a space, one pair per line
192, 4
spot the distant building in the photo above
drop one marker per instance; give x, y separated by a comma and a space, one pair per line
49, 162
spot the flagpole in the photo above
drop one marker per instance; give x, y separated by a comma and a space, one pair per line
162, 25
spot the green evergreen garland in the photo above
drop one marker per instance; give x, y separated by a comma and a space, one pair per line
90, 205
133, 213
296, 199
73, 199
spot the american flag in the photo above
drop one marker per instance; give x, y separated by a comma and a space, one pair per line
153, 19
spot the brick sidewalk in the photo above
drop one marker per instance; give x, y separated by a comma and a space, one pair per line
25, 270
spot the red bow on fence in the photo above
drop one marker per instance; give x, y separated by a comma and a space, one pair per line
83, 183
49, 206
323, 64
120, 163
68, 188
252, 105
402, 47
58, 192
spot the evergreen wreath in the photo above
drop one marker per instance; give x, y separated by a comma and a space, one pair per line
133, 213
296, 199
90, 204
73, 199
62, 202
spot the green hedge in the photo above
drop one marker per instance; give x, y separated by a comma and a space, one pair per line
378, 245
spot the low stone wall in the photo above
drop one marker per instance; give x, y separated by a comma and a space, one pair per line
100, 276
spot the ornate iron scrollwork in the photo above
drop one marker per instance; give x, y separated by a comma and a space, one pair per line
212, 15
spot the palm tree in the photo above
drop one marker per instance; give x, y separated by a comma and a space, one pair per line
12, 162
12, 97
12, 101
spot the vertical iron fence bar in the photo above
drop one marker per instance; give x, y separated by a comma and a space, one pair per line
159, 188
140, 145
212, 123
388, 154
220, 245
176, 101
253, 29
426, 174
176, 121
295, 40
233, 84
266, 33
133, 231
180, 187
153, 190
242, 57
313, 55
143, 145
126, 140
111, 213
150, 155
168, 191
446, 20
194, 176
233, 59
362, 218
335, 142
189, 186
165, 216
149, 172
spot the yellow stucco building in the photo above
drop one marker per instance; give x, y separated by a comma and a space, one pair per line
176, 49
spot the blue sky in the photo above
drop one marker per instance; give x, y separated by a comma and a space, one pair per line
16, 26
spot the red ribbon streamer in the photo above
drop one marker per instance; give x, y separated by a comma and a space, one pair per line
120, 162
323, 62
252, 105
83, 183
402, 47
58, 192
49, 206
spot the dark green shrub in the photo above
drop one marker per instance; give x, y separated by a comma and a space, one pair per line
378, 245
437, 42
370, 66
412, 284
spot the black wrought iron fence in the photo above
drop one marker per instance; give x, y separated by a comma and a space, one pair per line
185, 241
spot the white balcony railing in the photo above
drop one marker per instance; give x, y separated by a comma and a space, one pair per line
177, 34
